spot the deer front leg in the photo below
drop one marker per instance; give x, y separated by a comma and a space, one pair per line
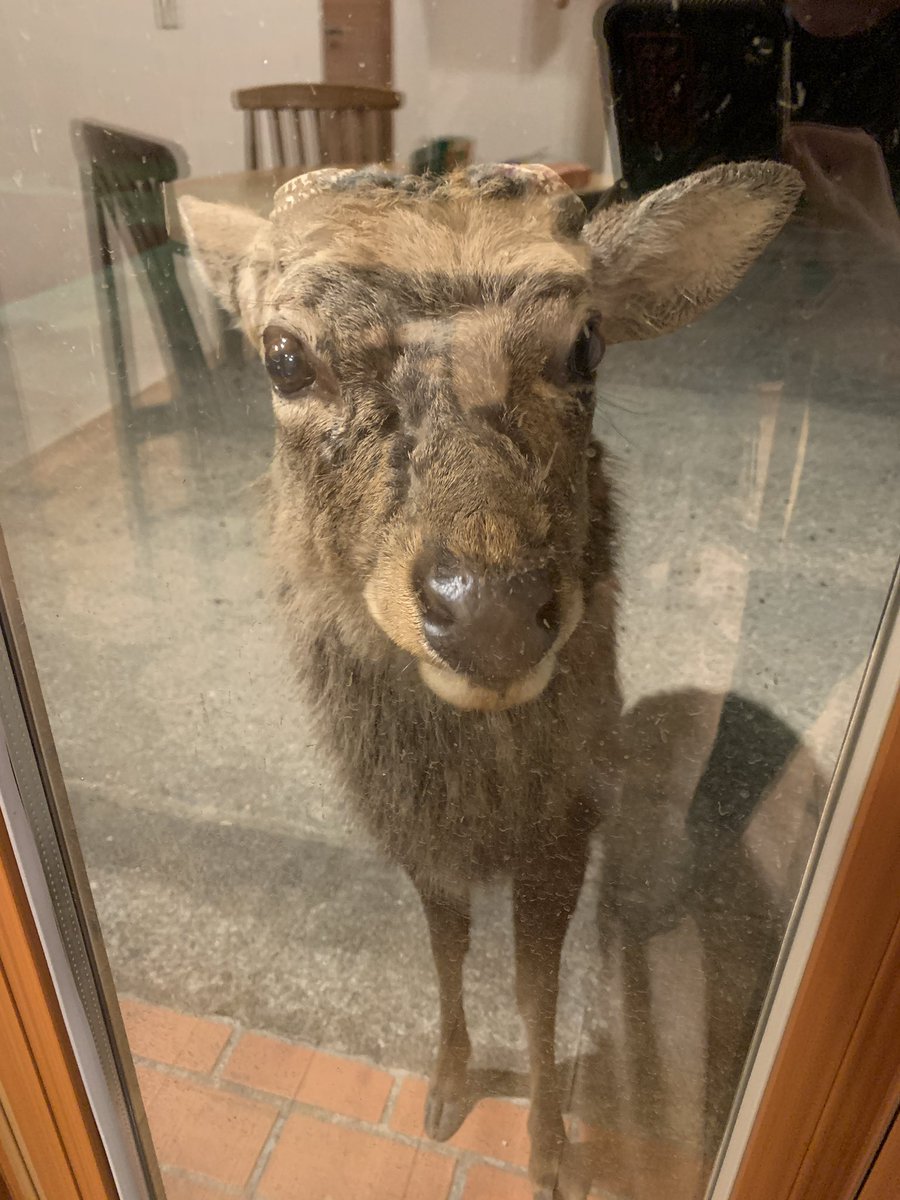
541, 915
449, 1099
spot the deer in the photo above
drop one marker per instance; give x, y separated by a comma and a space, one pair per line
443, 527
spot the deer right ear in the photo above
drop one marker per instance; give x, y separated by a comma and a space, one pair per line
662, 261
232, 250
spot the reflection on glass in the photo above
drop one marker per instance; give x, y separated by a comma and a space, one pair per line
422, 659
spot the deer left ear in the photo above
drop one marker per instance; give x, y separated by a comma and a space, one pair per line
662, 261
232, 249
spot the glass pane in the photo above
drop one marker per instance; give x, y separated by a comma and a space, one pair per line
374, 674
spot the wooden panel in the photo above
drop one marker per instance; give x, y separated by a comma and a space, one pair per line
43, 1099
356, 41
834, 1084
865, 1094
883, 1182
17, 1174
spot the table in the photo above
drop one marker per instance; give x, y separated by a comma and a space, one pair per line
255, 190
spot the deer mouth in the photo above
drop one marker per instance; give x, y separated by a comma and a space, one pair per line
466, 693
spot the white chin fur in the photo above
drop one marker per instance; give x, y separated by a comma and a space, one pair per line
461, 692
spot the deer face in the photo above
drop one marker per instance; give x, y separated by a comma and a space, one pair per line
432, 348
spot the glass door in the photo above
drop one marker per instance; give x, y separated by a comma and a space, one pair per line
462, 602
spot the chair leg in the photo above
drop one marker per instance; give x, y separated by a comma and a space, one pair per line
231, 341
182, 340
113, 331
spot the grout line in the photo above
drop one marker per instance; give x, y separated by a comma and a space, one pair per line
391, 1103
225, 1053
458, 1182
333, 1118
227, 1087
302, 1044
265, 1153
499, 1164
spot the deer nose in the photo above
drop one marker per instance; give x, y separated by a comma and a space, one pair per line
489, 624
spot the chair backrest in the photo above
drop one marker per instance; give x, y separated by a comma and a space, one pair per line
319, 124
123, 175
126, 173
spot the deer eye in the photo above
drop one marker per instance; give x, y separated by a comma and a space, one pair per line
587, 351
287, 362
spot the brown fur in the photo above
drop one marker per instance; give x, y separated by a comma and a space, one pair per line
440, 318
455, 797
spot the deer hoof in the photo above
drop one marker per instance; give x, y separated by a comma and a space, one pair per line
558, 1192
444, 1114
563, 1183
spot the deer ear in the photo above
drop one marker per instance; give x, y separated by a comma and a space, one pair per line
662, 261
232, 250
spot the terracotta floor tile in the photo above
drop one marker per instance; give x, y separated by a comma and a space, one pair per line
340, 1085
268, 1064
178, 1187
317, 1160
410, 1106
494, 1127
206, 1130
174, 1038
490, 1183
430, 1177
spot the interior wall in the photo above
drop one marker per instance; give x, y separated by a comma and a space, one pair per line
518, 76
107, 60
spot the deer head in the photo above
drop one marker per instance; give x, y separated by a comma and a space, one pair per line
432, 346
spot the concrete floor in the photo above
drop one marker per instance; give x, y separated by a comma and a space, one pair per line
757, 467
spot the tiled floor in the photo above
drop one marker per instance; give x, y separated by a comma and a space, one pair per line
235, 1113
238, 1113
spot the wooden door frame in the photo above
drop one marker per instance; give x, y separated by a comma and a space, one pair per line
883, 1180
834, 1086
49, 1142
385, 79
71, 1118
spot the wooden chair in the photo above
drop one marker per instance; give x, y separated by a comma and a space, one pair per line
123, 176
319, 124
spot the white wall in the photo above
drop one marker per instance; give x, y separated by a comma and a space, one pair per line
520, 76
106, 60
